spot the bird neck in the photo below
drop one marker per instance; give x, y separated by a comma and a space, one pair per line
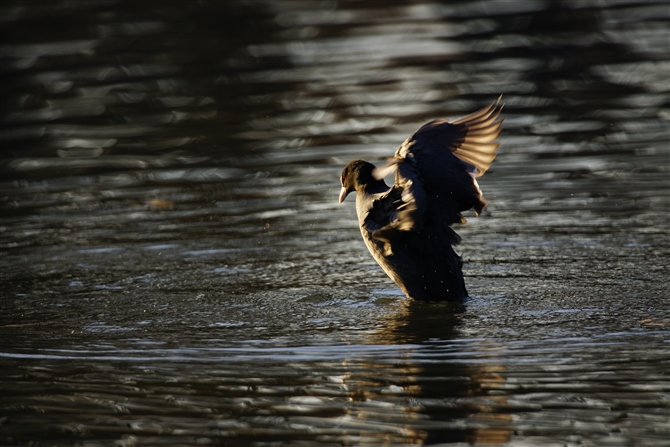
374, 187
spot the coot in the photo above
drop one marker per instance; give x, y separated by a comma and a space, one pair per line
406, 226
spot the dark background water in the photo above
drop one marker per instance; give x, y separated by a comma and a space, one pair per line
176, 269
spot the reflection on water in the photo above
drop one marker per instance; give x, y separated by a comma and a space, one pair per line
396, 388
176, 269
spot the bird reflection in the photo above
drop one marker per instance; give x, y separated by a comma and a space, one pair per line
446, 399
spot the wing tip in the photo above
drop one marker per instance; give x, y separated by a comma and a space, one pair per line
484, 128
382, 171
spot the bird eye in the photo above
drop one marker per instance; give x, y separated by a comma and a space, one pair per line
343, 179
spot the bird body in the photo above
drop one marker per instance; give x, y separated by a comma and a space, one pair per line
406, 227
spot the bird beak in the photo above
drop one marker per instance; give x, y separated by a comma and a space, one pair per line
343, 194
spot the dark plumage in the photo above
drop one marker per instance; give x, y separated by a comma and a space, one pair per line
406, 227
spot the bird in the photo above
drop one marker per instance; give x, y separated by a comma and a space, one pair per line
407, 226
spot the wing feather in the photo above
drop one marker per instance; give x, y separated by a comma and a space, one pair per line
475, 159
481, 129
482, 138
436, 168
483, 124
489, 148
480, 114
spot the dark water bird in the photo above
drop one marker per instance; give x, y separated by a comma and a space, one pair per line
406, 226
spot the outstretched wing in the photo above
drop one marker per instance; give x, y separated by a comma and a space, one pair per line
479, 130
436, 167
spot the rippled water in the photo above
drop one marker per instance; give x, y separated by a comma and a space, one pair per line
176, 269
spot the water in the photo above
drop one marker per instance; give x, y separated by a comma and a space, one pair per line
176, 269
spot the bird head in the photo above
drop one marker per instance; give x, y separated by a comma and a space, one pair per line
356, 174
